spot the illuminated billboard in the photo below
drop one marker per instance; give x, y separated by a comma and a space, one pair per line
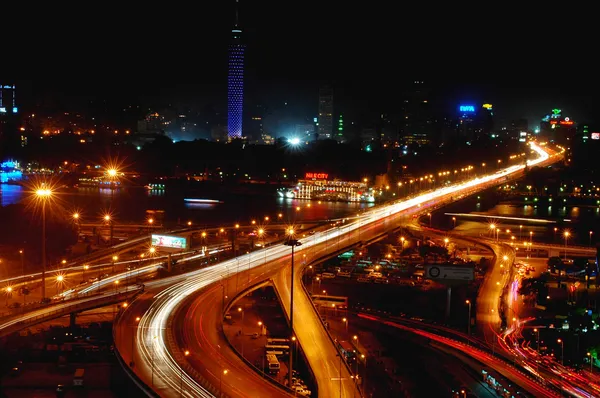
596, 136
317, 176
467, 108
170, 242
487, 106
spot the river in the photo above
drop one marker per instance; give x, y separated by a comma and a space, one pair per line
129, 205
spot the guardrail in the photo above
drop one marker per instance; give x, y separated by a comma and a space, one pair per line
102, 301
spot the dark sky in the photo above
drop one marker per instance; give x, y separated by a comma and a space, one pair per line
367, 50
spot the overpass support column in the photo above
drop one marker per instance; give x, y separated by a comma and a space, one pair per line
448, 301
169, 263
73, 320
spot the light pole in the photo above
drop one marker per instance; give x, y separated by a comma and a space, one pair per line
454, 221
153, 349
429, 215
469, 319
345, 320
241, 310
135, 325
186, 353
566, 234
589, 354
114, 260
59, 282
108, 219
8, 294
261, 233
562, 349
536, 330
520, 232
291, 241
555, 230
591, 233
43, 194
85, 268
402, 239
76, 220
224, 373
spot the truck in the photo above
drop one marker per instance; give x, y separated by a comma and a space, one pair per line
272, 364
78, 377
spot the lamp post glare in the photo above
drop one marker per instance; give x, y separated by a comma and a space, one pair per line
566, 234
291, 241
43, 194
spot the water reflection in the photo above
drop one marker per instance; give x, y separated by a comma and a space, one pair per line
11, 194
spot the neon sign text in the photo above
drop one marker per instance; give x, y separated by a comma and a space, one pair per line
467, 108
317, 176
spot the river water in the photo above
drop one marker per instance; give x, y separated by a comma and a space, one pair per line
130, 205
578, 219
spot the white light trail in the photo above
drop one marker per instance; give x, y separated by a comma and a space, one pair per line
154, 322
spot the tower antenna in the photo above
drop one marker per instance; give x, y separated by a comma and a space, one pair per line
237, 2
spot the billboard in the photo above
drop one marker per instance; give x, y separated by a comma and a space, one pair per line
448, 273
596, 136
467, 108
170, 242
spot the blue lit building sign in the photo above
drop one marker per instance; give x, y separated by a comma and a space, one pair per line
10, 171
15, 109
2, 110
467, 108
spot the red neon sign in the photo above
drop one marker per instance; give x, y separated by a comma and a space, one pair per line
317, 176
566, 122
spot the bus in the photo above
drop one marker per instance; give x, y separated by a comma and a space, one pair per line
339, 302
285, 349
276, 341
78, 377
272, 364
347, 350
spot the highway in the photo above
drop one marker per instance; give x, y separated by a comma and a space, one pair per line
153, 335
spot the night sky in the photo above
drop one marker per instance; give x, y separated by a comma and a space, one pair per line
368, 51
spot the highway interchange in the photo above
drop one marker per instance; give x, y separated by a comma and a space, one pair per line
153, 346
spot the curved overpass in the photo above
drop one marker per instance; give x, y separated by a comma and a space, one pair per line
158, 359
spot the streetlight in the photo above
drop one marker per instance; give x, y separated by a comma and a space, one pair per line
591, 233
114, 260
291, 241
446, 241
8, 293
345, 320
186, 353
108, 219
562, 348
566, 234
429, 215
76, 220
402, 239
536, 330
520, 231
224, 373
469, 320
59, 281
241, 310
85, 268
454, 221
555, 231
43, 193
589, 354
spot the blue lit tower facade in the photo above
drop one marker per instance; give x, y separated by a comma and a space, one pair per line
235, 82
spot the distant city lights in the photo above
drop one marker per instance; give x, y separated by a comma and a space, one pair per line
294, 141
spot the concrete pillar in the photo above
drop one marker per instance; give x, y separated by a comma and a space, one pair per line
448, 301
169, 263
73, 320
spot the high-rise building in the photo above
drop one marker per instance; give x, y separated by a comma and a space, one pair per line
235, 82
325, 113
339, 134
8, 102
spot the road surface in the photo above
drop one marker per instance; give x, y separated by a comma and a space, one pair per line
158, 355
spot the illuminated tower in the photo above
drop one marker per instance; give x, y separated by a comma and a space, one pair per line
325, 113
235, 81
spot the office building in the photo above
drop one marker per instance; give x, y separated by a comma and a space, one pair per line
325, 113
235, 82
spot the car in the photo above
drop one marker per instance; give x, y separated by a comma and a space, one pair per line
255, 336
